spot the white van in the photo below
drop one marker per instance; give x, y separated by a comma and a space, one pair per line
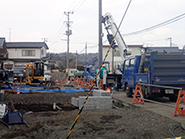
72, 72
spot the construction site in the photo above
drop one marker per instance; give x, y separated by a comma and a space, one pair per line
49, 112
122, 91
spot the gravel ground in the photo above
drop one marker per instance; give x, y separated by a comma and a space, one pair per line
122, 123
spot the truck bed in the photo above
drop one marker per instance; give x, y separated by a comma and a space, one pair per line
168, 69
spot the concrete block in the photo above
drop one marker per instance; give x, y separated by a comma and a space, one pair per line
2, 110
75, 101
96, 102
101, 93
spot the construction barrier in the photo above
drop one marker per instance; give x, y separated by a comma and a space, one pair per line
78, 81
66, 80
181, 97
74, 81
140, 99
91, 81
56, 82
60, 83
84, 84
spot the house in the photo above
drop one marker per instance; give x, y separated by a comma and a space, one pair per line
3, 49
21, 53
165, 50
136, 50
3, 52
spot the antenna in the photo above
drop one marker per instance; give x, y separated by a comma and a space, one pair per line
9, 34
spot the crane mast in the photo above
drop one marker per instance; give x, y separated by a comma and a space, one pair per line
111, 25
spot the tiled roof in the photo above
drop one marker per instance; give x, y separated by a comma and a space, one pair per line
164, 49
26, 45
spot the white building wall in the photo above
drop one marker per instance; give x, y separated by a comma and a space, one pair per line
43, 52
17, 54
135, 51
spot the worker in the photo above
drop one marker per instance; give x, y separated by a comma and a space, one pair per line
95, 73
101, 71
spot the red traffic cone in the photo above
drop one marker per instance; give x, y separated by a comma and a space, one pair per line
18, 90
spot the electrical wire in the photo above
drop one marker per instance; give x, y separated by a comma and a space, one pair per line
124, 15
71, 7
157, 26
56, 27
79, 6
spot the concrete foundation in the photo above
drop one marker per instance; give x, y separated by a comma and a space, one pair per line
101, 93
100, 100
96, 102
75, 101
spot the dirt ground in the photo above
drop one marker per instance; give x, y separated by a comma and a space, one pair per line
46, 123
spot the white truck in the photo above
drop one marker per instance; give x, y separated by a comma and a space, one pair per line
72, 72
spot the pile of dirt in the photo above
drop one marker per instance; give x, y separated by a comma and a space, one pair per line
123, 123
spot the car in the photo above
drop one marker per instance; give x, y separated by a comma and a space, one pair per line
19, 73
47, 77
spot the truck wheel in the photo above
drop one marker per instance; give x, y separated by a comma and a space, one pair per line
118, 85
128, 91
173, 98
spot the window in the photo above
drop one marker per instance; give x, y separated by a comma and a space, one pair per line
146, 64
8, 66
28, 52
132, 63
42, 52
126, 64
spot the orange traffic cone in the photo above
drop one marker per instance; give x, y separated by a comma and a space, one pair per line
136, 100
18, 90
66, 80
90, 83
60, 84
181, 97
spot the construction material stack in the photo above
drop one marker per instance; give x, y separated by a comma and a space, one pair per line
100, 100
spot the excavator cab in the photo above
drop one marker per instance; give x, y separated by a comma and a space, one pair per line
38, 69
34, 72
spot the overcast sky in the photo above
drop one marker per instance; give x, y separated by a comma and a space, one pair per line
34, 20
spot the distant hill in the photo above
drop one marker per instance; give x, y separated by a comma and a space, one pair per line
82, 59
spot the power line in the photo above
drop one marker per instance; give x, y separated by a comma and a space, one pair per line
79, 6
56, 27
156, 26
124, 15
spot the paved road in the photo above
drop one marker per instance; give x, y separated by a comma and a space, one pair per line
167, 111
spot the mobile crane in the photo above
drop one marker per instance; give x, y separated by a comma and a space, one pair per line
110, 24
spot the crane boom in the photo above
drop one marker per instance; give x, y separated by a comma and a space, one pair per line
111, 25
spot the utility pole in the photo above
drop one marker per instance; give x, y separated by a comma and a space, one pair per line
100, 32
45, 39
9, 34
76, 59
170, 41
68, 33
86, 53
